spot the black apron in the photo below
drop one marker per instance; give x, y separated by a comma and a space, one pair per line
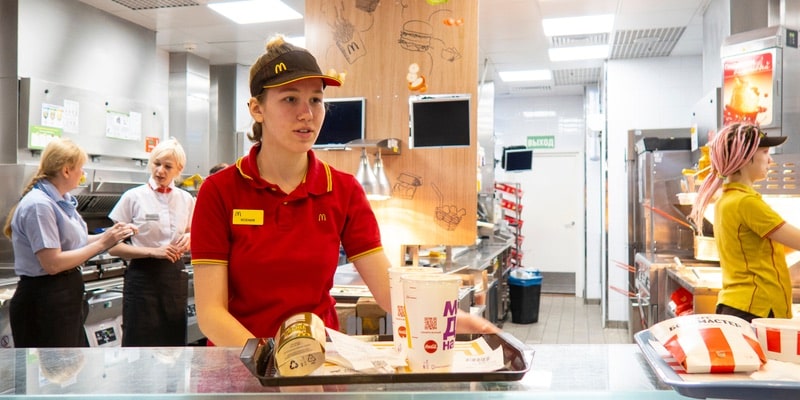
49, 311
154, 300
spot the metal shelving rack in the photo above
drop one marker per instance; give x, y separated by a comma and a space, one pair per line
510, 194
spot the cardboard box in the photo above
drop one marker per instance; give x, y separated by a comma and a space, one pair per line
373, 317
345, 311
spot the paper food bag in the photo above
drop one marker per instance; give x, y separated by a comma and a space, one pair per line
710, 343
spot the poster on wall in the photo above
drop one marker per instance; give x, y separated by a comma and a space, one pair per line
52, 115
122, 125
71, 116
39, 136
747, 88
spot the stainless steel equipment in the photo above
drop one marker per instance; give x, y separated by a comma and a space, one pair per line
650, 303
658, 227
6, 291
104, 320
646, 303
193, 333
655, 158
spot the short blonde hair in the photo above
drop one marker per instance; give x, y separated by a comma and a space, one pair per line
169, 147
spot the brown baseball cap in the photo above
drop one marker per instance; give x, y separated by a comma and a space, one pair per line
771, 141
289, 66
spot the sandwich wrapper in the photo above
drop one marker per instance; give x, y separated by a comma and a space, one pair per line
710, 343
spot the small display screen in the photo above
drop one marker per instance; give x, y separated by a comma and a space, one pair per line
344, 122
439, 121
519, 160
106, 335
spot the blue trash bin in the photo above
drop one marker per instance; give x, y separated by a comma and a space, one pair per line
526, 290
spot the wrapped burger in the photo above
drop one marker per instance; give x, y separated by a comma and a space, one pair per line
710, 343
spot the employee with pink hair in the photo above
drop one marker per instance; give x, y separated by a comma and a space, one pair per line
750, 235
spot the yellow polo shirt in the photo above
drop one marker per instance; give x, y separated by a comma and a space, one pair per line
755, 277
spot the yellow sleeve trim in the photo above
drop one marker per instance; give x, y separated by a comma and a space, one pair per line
208, 261
366, 253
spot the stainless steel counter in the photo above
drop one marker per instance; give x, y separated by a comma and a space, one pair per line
558, 372
478, 257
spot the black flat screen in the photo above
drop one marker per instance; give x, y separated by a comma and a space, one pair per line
518, 160
344, 121
440, 121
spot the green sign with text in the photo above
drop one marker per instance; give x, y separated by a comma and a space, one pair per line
541, 142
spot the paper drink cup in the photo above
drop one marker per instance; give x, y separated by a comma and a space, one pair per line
398, 312
431, 304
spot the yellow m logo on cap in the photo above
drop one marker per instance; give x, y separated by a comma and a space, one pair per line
280, 67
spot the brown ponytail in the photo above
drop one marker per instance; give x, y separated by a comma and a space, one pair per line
36, 178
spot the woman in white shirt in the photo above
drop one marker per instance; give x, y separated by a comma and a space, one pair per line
155, 291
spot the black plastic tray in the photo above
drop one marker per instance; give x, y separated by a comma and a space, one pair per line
257, 357
744, 389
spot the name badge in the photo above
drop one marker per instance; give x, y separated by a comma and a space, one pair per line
151, 217
248, 217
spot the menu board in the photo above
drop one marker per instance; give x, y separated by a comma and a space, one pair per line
747, 88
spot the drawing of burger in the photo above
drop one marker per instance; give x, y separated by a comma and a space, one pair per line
416, 36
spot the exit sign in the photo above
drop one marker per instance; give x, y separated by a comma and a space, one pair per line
541, 142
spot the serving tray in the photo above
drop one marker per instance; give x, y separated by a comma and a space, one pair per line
734, 388
257, 356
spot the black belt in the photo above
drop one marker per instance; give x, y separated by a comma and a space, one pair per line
62, 273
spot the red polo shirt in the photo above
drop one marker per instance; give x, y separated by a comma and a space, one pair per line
281, 249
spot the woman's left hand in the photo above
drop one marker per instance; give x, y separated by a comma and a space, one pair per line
183, 242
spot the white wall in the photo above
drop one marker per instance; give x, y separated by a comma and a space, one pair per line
649, 93
568, 123
76, 45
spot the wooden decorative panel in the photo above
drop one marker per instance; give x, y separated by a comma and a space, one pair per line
374, 43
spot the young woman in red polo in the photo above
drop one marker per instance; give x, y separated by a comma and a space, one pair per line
266, 239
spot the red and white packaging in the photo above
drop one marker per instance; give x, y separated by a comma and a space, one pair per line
779, 338
710, 343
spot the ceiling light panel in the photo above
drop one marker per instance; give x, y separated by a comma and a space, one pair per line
255, 11
578, 25
579, 53
526, 76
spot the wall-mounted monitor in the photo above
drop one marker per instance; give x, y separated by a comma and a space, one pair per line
344, 121
517, 159
439, 121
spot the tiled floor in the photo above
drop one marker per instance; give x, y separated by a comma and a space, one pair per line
565, 319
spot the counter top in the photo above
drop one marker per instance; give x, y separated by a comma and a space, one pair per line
347, 281
477, 257
698, 280
558, 371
